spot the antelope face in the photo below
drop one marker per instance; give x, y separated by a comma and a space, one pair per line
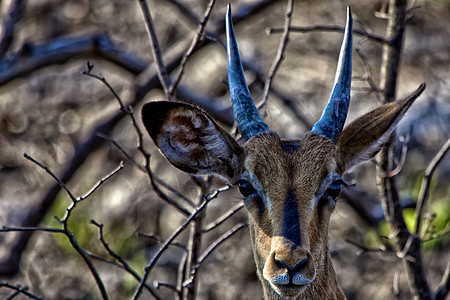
289, 193
289, 187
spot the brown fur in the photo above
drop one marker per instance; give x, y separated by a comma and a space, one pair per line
193, 142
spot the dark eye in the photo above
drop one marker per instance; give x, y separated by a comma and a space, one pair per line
334, 190
245, 188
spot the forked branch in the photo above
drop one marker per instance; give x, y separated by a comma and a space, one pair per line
280, 53
156, 50
426, 183
64, 221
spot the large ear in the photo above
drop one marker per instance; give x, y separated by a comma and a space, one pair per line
191, 140
363, 138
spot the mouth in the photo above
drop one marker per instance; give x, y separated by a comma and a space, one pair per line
289, 290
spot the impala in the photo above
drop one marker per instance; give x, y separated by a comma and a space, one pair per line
289, 187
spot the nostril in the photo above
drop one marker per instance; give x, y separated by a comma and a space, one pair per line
281, 264
297, 268
301, 265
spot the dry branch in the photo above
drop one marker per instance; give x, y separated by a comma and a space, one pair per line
280, 52
60, 50
156, 50
426, 183
173, 236
19, 290
65, 220
330, 28
120, 259
190, 51
407, 244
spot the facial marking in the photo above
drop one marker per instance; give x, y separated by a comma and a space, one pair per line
253, 180
291, 219
325, 184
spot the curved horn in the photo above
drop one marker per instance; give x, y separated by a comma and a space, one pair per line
333, 117
249, 122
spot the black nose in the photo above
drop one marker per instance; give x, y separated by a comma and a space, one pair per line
292, 269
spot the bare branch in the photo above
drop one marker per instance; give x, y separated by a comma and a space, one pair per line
64, 221
159, 285
162, 71
59, 181
180, 229
426, 183
119, 258
60, 50
219, 241
368, 75
280, 53
213, 246
160, 241
443, 290
143, 169
363, 249
102, 181
400, 164
53, 230
225, 216
190, 51
128, 110
19, 290
389, 196
437, 235
331, 28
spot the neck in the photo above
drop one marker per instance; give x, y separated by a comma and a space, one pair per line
324, 287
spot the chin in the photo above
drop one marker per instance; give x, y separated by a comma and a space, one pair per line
289, 290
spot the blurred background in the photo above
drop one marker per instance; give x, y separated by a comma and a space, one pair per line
72, 124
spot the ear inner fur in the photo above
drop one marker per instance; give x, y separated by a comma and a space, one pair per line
362, 138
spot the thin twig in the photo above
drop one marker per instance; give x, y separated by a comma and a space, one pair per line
368, 75
437, 235
213, 246
159, 240
143, 169
60, 50
123, 264
225, 216
157, 56
395, 284
180, 229
332, 28
59, 181
219, 241
280, 53
158, 285
128, 110
101, 181
64, 221
443, 290
53, 230
389, 195
19, 290
402, 161
426, 183
363, 249
403, 253
190, 51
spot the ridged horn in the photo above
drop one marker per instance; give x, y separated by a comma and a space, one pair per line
333, 117
249, 122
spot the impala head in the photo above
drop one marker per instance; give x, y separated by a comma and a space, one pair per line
289, 187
